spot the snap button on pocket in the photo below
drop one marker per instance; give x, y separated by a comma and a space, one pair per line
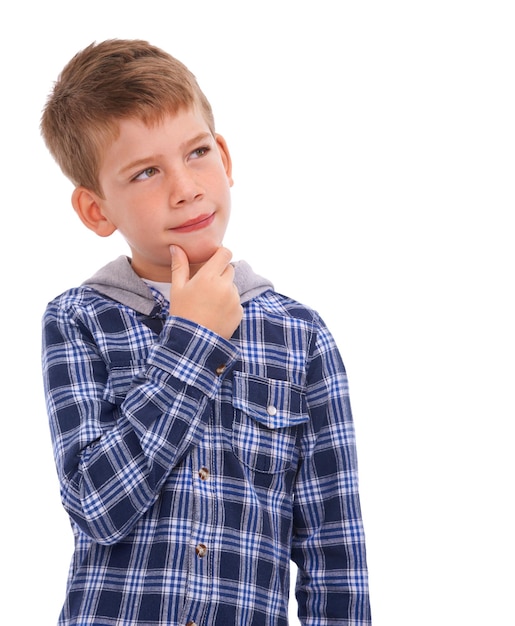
271, 410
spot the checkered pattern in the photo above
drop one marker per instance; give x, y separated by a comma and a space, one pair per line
190, 490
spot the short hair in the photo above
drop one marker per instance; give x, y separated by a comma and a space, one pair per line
107, 82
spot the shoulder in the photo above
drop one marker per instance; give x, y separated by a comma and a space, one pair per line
283, 324
273, 303
299, 323
86, 309
77, 299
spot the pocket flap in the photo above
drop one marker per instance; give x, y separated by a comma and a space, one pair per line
273, 403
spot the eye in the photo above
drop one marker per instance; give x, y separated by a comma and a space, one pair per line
147, 173
200, 152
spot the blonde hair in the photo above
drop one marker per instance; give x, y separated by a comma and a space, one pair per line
104, 83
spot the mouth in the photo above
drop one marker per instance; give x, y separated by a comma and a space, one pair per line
197, 223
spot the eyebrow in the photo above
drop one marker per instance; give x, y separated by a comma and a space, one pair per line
155, 157
139, 163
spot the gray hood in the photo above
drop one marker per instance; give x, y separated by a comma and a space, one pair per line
118, 281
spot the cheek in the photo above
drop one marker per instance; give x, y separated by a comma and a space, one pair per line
140, 232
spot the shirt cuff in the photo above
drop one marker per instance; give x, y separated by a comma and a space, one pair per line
193, 354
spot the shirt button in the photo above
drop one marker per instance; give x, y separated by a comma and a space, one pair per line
191, 624
220, 369
201, 550
203, 473
271, 410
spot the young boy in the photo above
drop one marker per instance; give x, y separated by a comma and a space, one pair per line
201, 421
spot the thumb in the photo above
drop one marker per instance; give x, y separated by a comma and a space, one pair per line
180, 266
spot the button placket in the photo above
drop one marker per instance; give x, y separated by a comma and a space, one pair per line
204, 516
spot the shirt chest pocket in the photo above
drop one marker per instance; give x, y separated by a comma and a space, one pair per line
267, 414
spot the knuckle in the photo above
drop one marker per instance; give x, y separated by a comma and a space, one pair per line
226, 254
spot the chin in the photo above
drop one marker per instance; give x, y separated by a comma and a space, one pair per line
198, 257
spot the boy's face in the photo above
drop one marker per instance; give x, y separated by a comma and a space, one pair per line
167, 184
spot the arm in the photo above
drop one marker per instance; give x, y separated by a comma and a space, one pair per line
328, 541
113, 456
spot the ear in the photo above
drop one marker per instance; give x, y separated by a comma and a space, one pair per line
226, 157
87, 205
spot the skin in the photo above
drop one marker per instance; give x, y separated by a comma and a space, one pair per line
166, 189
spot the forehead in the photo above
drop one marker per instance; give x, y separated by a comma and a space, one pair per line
136, 137
147, 123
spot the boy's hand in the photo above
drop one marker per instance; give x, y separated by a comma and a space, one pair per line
209, 298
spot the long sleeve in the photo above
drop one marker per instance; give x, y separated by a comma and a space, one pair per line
328, 542
120, 422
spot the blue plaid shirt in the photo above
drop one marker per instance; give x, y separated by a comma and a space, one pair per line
194, 468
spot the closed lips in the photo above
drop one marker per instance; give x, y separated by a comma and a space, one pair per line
197, 222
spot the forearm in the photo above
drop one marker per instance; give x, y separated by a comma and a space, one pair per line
329, 550
332, 587
115, 447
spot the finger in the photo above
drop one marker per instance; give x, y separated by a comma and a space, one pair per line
229, 271
180, 266
218, 263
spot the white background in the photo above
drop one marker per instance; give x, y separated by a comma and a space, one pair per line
374, 151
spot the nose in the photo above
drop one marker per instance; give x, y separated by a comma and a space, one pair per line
184, 188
